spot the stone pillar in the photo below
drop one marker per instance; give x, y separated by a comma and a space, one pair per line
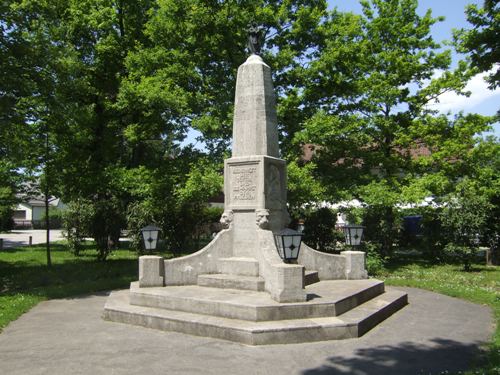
151, 271
354, 265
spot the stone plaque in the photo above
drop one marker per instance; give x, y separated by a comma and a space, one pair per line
244, 184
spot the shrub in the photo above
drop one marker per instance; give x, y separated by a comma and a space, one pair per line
55, 220
320, 230
382, 224
7, 201
183, 230
375, 263
465, 218
99, 218
139, 214
6, 222
76, 220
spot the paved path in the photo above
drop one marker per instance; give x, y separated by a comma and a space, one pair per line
21, 237
433, 333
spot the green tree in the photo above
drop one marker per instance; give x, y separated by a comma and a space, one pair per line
482, 42
372, 83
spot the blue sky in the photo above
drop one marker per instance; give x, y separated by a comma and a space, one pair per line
482, 100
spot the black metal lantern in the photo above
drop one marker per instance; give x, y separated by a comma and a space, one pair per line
288, 244
353, 234
150, 236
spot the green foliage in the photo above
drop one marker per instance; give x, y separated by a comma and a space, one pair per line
382, 224
303, 188
7, 200
8, 180
139, 215
375, 262
77, 220
465, 217
320, 230
465, 254
482, 41
101, 220
433, 235
55, 219
106, 224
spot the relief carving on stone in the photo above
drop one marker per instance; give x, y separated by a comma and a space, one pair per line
273, 185
262, 218
227, 219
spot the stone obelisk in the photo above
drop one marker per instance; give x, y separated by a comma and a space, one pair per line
255, 176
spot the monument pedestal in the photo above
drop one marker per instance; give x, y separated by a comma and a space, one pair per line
335, 310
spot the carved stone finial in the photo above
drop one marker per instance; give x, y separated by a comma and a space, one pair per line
226, 219
262, 218
255, 35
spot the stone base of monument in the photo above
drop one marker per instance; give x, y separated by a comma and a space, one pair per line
334, 309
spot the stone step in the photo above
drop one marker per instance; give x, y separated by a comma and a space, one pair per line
239, 266
225, 281
326, 298
311, 277
352, 324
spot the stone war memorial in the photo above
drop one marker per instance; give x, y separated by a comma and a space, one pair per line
238, 288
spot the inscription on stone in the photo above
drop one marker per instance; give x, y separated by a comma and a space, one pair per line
244, 186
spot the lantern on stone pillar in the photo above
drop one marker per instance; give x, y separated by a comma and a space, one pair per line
288, 244
150, 237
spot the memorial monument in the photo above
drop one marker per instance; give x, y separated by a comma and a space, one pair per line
237, 287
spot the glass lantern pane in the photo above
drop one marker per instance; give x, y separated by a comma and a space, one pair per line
347, 232
287, 241
356, 240
147, 239
154, 239
279, 246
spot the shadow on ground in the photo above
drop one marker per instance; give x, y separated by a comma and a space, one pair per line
440, 357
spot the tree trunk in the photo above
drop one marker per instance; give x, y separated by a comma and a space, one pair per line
47, 219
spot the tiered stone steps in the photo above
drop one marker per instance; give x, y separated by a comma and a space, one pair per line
239, 266
335, 309
227, 281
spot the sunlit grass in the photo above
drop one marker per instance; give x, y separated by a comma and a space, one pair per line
25, 280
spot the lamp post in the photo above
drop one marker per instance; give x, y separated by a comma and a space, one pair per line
301, 226
353, 234
288, 244
150, 237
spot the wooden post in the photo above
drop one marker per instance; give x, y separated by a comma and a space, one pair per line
31, 241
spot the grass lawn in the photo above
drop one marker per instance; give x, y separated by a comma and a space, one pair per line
25, 279
481, 286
